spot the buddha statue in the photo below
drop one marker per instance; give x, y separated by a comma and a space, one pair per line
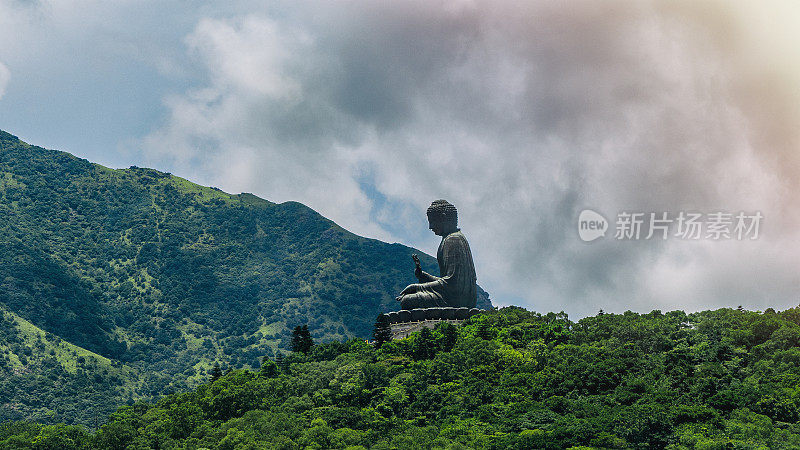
455, 286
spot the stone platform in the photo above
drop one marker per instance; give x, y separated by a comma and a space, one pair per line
405, 322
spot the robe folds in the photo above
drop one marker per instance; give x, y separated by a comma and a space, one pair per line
455, 287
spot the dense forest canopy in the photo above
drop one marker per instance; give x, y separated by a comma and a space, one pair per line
505, 379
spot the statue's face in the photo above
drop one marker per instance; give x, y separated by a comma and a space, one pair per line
439, 227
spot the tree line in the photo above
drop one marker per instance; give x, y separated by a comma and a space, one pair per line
508, 378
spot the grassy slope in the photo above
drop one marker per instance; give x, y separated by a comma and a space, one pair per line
36, 366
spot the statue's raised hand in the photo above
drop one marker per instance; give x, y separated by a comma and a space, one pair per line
418, 268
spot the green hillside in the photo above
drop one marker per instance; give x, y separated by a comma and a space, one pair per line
166, 277
47, 379
507, 379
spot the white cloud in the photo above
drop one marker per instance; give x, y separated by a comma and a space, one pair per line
257, 127
5, 76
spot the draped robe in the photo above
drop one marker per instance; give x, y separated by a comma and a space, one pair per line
455, 287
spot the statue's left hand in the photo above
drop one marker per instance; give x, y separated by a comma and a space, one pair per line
410, 289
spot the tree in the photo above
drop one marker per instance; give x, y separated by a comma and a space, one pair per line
301, 339
423, 346
297, 339
484, 331
280, 361
307, 341
215, 373
382, 332
268, 368
449, 336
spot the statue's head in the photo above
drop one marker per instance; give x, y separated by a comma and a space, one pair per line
442, 217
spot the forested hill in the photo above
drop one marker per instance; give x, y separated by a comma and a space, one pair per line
507, 379
158, 274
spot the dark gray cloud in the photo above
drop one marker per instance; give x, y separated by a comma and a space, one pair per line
520, 113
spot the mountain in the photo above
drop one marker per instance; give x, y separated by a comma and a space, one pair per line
164, 277
505, 379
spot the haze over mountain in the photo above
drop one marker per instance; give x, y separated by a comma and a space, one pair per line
159, 277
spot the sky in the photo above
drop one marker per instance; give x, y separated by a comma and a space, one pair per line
522, 114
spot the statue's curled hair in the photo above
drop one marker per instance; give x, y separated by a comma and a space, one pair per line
442, 210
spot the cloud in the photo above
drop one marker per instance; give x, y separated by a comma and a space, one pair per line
5, 76
522, 114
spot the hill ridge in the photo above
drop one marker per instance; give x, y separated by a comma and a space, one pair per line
169, 277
